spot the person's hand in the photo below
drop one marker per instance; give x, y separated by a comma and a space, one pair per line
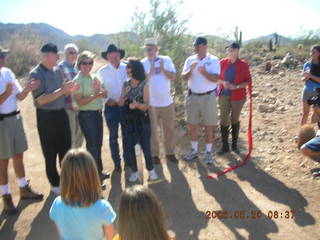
96, 85
162, 65
111, 103
102, 93
232, 86
307, 75
226, 85
152, 66
202, 69
193, 66
304, 79
32, 85
133, 105
9, 88
67, 86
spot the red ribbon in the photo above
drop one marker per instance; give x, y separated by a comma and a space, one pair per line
245, 160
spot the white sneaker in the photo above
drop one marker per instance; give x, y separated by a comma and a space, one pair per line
55, 190
134, 177
153, 175
191, 155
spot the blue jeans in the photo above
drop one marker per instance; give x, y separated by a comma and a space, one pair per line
92, 128
114, 117
139, 132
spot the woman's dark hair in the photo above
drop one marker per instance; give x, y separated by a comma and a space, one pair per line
137, 69
317, 47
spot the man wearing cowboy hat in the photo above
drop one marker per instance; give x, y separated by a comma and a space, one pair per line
13, 142
161, 72
113, 75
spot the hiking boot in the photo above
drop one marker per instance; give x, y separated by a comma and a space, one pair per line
172, 158
224, 137
235, 136
191, 155
27, 193
8, 207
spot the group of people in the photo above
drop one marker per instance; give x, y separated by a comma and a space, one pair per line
308, 140
134, 95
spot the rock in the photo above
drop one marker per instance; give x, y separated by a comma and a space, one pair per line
268, 66
282, 74
274, 90
280, 140
269, 85
268, 169
282, 109
266, 108
290, 103
255, 94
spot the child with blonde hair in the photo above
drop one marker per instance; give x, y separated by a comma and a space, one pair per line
80, 213
141, 216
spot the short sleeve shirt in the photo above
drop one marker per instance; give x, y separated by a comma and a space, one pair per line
86, 89
311, 85
51, 80
197, 82
160, 85
10, 104
113, 79
82, 223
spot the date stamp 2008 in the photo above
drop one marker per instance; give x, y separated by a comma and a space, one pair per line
251, 214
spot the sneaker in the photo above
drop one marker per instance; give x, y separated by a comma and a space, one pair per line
27, 193
208, 158
55, 190
8, 205
191, 155
153, 175
134, 177
156, 160
172, 158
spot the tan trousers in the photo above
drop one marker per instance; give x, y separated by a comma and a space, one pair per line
76, 133
226, 107
165, 117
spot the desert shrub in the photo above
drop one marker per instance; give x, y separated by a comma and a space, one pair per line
24, 51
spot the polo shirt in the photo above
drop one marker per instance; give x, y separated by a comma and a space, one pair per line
10, 104
198, 83
85, 88
51, 80
159, 84
113, 79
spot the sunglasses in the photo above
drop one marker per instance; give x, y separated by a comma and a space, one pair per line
148, 49
73, 53
87, 63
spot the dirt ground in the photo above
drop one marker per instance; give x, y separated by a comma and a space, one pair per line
276, 180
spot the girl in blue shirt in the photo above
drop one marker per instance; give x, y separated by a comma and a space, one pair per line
80, 213
311, 77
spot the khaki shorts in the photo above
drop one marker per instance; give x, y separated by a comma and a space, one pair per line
12, 137
203, 108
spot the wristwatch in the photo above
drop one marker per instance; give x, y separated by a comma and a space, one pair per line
238, 86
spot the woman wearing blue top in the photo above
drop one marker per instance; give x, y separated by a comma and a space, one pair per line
80, 213
311, 77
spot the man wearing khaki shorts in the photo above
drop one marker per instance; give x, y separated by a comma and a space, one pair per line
202, 72
13, 140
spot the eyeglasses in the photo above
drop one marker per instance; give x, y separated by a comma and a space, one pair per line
73, 53
87, 63
148, 49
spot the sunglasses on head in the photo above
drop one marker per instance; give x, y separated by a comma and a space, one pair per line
73, 53
87, 63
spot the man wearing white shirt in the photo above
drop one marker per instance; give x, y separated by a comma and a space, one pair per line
161, 72
113, 75
13, 142
202, 72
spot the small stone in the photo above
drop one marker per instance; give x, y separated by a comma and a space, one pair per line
282, 74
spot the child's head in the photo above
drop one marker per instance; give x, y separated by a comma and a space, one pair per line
306, 133
80, 184
141, 215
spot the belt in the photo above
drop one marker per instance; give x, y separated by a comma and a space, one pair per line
3, 116
200, 94
50, 110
